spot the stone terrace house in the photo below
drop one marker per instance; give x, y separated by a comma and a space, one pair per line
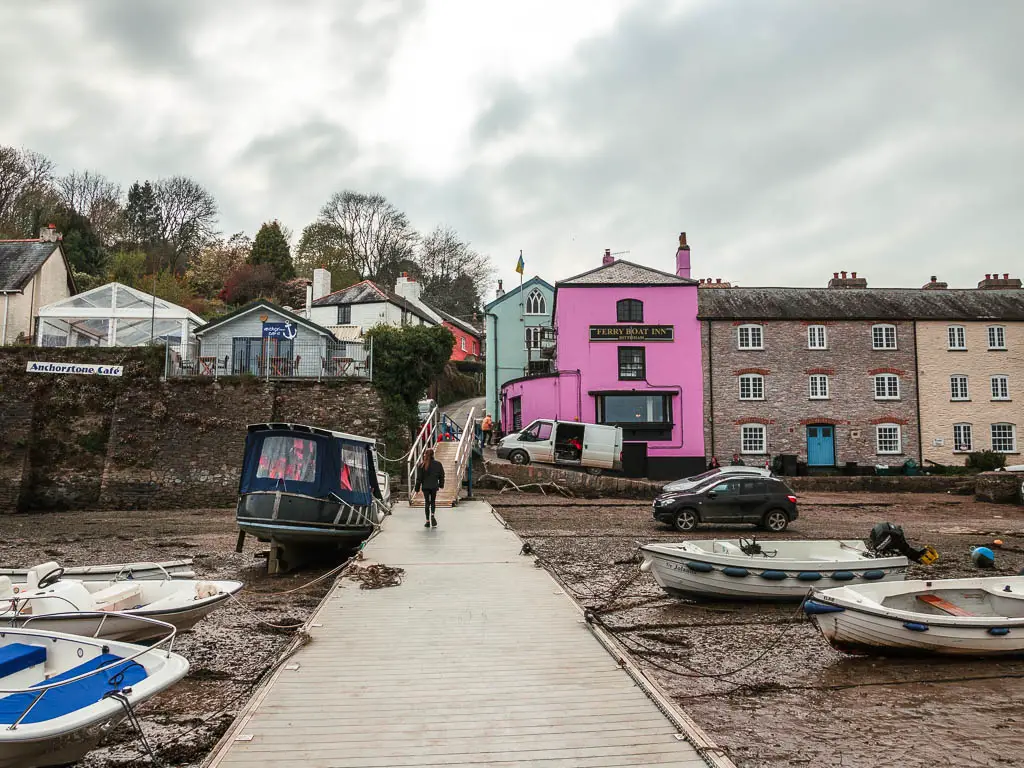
971, 369
850, 374
33, 274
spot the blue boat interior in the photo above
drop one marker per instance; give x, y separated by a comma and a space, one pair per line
66, 699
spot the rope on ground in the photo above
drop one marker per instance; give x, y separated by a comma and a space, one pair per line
377, 576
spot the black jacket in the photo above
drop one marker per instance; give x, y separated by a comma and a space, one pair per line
431, 477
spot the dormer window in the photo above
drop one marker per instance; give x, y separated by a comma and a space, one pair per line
629, 311
535, 303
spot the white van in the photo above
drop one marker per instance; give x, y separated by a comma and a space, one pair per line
594, 446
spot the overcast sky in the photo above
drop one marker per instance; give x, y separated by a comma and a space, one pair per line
788, 139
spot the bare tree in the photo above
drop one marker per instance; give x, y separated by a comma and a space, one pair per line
455, 276
377, 235
188, 215
96, 197
26, 193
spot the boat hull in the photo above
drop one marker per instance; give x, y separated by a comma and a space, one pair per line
696, 576
59, 751
176, 569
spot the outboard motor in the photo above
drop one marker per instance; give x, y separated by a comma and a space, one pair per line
888, 539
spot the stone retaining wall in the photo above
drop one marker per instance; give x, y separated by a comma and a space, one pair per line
134, 442
1001, 487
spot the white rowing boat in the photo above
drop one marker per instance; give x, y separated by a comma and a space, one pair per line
61, 694
963, 617
59, 604
175, 569
766, 570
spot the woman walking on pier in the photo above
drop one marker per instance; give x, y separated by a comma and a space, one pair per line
430, 478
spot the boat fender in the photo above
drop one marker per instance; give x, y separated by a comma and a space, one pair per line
813, 607
731, 570
808, 576
699, 567
915, 626
842, 576
204, 590
999, 631
646, 567
774, 575
874, 575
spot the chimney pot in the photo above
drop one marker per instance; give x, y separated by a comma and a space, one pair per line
935, 279
843, 273
1006, 275
988, 276
835, 275
683, 258
718, 279
853, 275
608, 258
682, 240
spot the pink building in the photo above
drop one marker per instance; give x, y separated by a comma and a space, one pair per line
627, 352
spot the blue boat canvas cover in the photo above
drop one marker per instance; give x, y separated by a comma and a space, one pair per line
309, 461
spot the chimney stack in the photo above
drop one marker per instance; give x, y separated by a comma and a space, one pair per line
934, 285
683, 257
994, 282
321, 283
608, 258
408, 288
840, 280
500, 292
49, 234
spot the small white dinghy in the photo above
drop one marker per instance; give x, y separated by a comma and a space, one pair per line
768, 570
169, 569
960, 617
61, 694
77, 607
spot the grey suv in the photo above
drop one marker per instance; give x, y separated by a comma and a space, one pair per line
764, 501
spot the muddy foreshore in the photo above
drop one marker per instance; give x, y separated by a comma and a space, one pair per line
758, 678
229, 651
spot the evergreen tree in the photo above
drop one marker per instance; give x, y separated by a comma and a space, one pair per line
271, 248
82, 245
142, 216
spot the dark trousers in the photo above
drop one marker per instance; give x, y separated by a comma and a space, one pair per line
487, 436
429, 502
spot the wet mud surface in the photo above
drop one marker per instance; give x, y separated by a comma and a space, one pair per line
229, 651
758, 678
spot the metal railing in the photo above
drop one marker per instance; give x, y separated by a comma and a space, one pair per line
464, 453
270, 359
425, 438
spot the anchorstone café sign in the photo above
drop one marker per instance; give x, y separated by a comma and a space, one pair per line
632, 333
75, 368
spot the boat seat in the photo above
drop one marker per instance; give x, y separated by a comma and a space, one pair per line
728, 548
118, 597
73, 696
6, 590
171, 601
18, 656
944, 605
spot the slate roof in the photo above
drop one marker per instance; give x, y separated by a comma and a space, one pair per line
254, 305
514, 291
467, 327
368, 292
20, 260
624, 273
859, 304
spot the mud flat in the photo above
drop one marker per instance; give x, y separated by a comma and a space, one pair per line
759, 678
229, 651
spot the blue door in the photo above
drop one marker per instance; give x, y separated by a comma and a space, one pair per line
821, 448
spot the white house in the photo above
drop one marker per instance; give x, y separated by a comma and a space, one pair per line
33, 274
353, 310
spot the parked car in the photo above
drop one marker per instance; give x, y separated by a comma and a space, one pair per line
424, 409
764, 501
692, 482
594, 446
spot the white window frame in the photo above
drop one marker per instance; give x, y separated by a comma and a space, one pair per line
750, 328
996, 337
887, 428
817, 337
463, 340
758, 429
822, 388
887, 377
956, 336
1012, 429
954, 385
755, 382
883, 331
963, 445
1000, 386
536, 304
533, 333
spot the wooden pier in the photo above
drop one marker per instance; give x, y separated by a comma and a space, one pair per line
478, 658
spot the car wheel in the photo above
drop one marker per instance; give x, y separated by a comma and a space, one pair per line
593, 470
685, 520
519, 457
776, 520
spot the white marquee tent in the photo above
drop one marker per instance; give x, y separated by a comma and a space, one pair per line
114, 315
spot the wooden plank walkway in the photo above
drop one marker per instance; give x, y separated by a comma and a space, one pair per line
478, 658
